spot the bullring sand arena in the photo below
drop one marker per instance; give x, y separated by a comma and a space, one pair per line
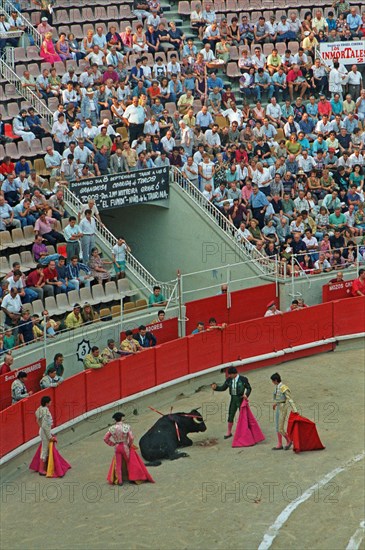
219, 497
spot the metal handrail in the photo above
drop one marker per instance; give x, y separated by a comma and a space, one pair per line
243, 246
8, 73
109, 240
7, 8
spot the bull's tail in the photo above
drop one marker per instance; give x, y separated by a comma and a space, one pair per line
153, 463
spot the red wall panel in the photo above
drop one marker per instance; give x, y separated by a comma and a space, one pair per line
138, 372
252, 338
307, 325
29, 406
202, 310
70, 398
34, 371
336, 291
11, 429
103, 385
349, 316
204, 350
171, 360
251, 302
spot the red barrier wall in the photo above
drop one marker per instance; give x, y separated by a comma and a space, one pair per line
204, 350
349, 316
171, 360
138, 372
103, 385
202, 310
163, 332
135, 373
11, 429
307, 325
251, 303
252, 338
34, 371
245, 304
70, 398
336, 291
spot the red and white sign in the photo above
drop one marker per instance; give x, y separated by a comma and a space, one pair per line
346, 53
34, 371
336, 291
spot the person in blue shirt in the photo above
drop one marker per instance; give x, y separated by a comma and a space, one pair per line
353, 21
337, 105
304, 141
214, 81
312, 108
22, 166
35, 124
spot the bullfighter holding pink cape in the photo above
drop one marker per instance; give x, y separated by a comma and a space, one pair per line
47, 460
126, 463
248, 431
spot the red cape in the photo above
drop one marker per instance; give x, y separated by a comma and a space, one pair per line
303, 433
137, 470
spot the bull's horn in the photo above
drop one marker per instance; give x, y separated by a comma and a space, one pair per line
197, 421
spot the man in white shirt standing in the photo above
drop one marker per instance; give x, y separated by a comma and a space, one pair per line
119, 251
88, 229
354, 81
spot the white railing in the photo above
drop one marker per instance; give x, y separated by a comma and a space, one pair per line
7, 8
8, 73
243, 247
109, 240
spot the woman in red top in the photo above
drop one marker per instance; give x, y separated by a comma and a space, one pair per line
7, 167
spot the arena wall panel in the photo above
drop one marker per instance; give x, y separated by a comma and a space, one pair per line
138, 372
171, 360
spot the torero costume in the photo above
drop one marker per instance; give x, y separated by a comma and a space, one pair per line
239, 388
126, 461
282, 402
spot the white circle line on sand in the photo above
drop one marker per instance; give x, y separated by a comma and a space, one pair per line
274, 529
357, 537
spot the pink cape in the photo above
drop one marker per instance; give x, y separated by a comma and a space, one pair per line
303, 433
57, 466
137, 470
248, 432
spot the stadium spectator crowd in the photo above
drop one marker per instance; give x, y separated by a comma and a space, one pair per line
278, 148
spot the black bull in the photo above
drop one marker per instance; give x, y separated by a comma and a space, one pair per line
169, 433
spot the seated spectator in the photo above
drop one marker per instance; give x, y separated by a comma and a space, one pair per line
96, 265
36, 282
50, 379
18, 388
51, 278
44, 228
156, 299
129, 344
74, 319
199, 328
12, 306
7, 364
9, 339
160, 317
271, 310
144, 338
75, 277
110, 352
57, 364
7, 219
94, 360
322, 264
88, 314
62, 275
17, 280
213, 325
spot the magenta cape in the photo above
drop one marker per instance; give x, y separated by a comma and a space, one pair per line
57, 466
137, 470
303, 433
248, 431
